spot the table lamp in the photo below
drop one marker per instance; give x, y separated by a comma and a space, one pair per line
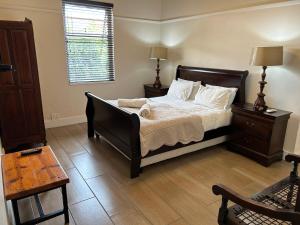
265, 56
158, 53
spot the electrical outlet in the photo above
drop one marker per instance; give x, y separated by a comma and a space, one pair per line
55, 116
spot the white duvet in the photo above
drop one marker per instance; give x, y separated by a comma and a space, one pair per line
172, 121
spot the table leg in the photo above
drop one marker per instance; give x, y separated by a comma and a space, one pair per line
16, 212
65, 203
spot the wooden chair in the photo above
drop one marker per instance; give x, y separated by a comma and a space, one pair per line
278, 204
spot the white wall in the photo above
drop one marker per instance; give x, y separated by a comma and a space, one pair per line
179, 8
124, 8
132, 41
225, 40
297, 146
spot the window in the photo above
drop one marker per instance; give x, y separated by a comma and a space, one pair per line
89, 40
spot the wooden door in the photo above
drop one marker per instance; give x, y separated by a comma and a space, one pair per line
21, 112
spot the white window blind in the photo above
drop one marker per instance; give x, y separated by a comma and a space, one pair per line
89, 40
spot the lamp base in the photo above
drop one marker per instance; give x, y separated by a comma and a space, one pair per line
260, 104
157, 83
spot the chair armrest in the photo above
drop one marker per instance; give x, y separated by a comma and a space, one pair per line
270, 211
292, 158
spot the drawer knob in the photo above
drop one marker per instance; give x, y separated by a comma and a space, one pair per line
246, 140
250, 124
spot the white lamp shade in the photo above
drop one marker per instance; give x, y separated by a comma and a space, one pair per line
159, 53
267, 56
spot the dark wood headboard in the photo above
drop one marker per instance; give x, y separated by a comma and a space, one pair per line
218, 77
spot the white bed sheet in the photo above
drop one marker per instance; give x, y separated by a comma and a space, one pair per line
211, 118
164, 130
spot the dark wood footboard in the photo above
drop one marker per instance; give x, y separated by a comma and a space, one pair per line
117, 126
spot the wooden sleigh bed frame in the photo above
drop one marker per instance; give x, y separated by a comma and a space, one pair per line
121, 128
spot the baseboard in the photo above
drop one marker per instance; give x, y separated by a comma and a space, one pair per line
65, 121
285, 153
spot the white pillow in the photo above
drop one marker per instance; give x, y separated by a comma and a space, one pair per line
215, 98
196, 86
232, 96
180, 90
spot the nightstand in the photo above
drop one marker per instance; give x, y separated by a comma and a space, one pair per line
151, 91
258, 135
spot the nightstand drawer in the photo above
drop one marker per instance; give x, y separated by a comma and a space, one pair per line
253, 127
150, 94
259, 135
151, 91
252, 143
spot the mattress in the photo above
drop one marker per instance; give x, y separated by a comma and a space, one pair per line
177, 121
211, 118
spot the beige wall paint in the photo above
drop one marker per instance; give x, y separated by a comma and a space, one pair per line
226, 41
146, 9
132, 41
178, 8
297, 147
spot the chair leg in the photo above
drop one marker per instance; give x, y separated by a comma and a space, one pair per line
223, 212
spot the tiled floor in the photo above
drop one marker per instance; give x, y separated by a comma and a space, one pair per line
174, 192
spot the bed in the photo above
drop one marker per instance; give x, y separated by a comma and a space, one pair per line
121, 128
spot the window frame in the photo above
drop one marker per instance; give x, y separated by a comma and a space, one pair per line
110, 40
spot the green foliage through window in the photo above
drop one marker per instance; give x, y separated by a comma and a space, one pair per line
89, 42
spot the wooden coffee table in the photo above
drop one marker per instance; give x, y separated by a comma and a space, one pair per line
25, 176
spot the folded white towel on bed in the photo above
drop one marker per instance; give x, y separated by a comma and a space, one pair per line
132, 103
145, 111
